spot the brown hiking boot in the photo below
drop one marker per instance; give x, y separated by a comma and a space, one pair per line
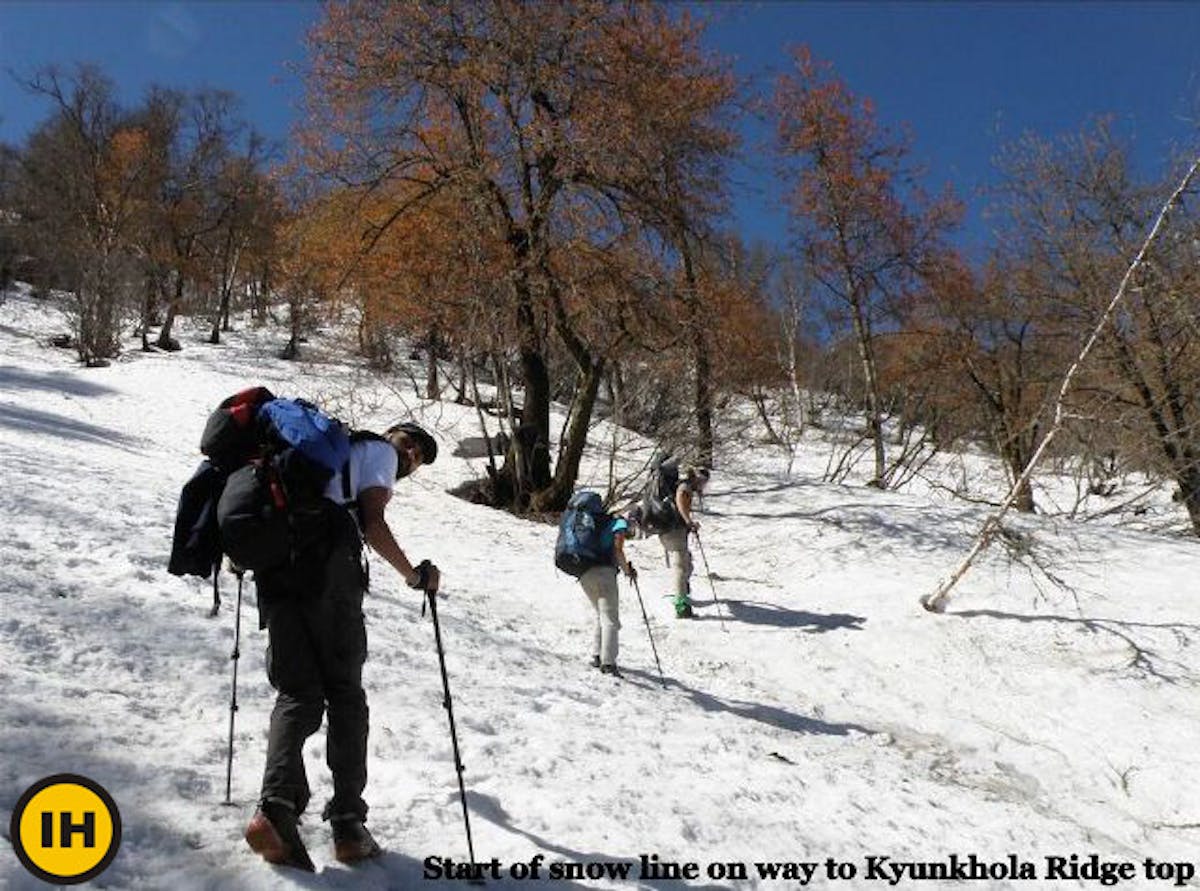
352, 841
273, 834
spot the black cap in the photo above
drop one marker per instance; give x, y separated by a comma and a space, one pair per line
427, 443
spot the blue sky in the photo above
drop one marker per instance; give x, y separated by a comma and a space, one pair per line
966, 77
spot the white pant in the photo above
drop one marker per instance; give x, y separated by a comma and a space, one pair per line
600, 585
675, 544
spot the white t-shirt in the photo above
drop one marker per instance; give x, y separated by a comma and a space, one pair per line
372, 465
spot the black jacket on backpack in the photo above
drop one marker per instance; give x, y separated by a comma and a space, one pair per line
659, 513
196, 546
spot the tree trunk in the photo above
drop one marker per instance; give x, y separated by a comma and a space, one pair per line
758, 397
295, 328
791, 331
1189, 491
147, 312
460, 389
555, 496
262, 295
99, 338
704, 399
487, 438
150, 303
535, 413
165, 342
527, 465
229, 272
221, 320
1023, 501
866, 356
433, 389
702, 394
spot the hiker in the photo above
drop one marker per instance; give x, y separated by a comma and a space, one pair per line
590, 546
674, 537
600, 585
317, 646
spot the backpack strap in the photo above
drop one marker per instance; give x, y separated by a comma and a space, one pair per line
351, 504
356, 436
351, 507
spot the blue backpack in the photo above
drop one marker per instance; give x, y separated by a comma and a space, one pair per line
300, 425
585, 535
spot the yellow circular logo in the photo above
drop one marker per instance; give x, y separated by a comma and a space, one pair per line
66, 829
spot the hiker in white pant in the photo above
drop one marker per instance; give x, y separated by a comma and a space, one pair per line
600, 585
679, 558
675, 540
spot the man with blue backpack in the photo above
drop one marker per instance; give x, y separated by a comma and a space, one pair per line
289, 493
591, 547
317, 647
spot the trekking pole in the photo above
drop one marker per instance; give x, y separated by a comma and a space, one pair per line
646, 619
216, 607
431, 597
708, 572
233, 706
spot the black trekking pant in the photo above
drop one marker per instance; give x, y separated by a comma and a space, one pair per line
317, 646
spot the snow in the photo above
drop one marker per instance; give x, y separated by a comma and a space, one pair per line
814, 712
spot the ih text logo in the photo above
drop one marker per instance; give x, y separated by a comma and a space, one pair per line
66, 829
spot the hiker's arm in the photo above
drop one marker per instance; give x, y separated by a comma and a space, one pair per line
619, 552
683, 502
378, 534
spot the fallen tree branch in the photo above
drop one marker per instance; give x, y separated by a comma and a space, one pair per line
936, 602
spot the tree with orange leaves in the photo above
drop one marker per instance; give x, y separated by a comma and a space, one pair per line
866, 231
526, 115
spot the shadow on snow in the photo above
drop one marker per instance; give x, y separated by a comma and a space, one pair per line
758, 613
1142, 657
24, 381
36, 421
492, 811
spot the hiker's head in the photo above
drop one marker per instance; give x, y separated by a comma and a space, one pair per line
697, 477
634, 519
414, 447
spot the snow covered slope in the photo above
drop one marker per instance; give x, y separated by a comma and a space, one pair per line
815, 712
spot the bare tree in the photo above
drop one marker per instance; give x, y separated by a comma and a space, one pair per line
246, 212
866, 230
86, 175
10, 248
189, 211
935, 602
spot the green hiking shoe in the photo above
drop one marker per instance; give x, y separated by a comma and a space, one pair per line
683, 607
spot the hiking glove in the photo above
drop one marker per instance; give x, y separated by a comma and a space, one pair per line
428, 577
630, 572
